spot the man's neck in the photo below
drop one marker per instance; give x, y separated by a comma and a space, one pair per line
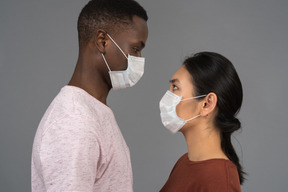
89, 78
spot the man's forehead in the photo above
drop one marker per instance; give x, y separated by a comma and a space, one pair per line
140, 27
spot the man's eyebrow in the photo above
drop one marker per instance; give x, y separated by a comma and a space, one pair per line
174, 80
142, 44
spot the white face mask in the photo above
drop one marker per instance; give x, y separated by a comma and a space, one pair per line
130, 76
168, 113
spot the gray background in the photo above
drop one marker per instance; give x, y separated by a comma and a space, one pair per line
38, 52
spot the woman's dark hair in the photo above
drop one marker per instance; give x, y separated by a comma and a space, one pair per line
212, 72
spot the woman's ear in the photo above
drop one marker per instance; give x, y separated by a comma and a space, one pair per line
208, 104
100, 40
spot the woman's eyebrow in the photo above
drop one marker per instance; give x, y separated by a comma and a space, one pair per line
174, 80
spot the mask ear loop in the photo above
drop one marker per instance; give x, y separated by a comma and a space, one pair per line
117, 45
105, 62
194, 97
192, 118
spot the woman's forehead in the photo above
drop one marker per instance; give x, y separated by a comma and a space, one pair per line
182, 75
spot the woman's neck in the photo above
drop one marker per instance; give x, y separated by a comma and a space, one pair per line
203, 143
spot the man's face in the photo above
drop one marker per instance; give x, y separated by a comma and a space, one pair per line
131, 41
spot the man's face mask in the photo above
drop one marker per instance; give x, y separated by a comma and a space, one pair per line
168, 113
130, 76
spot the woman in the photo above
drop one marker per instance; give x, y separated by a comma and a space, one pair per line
205, 95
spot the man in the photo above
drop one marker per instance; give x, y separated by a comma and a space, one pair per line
78, 145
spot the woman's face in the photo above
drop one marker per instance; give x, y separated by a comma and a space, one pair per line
181, 85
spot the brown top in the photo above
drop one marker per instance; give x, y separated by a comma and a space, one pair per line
214, 175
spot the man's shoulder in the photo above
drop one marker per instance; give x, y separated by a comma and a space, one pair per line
75, 101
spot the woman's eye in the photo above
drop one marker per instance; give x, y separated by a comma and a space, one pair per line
174, 87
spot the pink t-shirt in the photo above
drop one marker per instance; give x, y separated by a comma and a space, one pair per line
78, 146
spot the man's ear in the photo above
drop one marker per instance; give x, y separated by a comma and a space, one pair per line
100, 40
209, 104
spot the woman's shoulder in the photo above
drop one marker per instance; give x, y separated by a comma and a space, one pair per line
218, 174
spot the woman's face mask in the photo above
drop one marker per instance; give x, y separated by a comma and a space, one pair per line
168, 114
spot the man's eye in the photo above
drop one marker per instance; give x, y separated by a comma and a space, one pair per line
136, 49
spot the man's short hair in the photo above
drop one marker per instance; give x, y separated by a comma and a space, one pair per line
109, 15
